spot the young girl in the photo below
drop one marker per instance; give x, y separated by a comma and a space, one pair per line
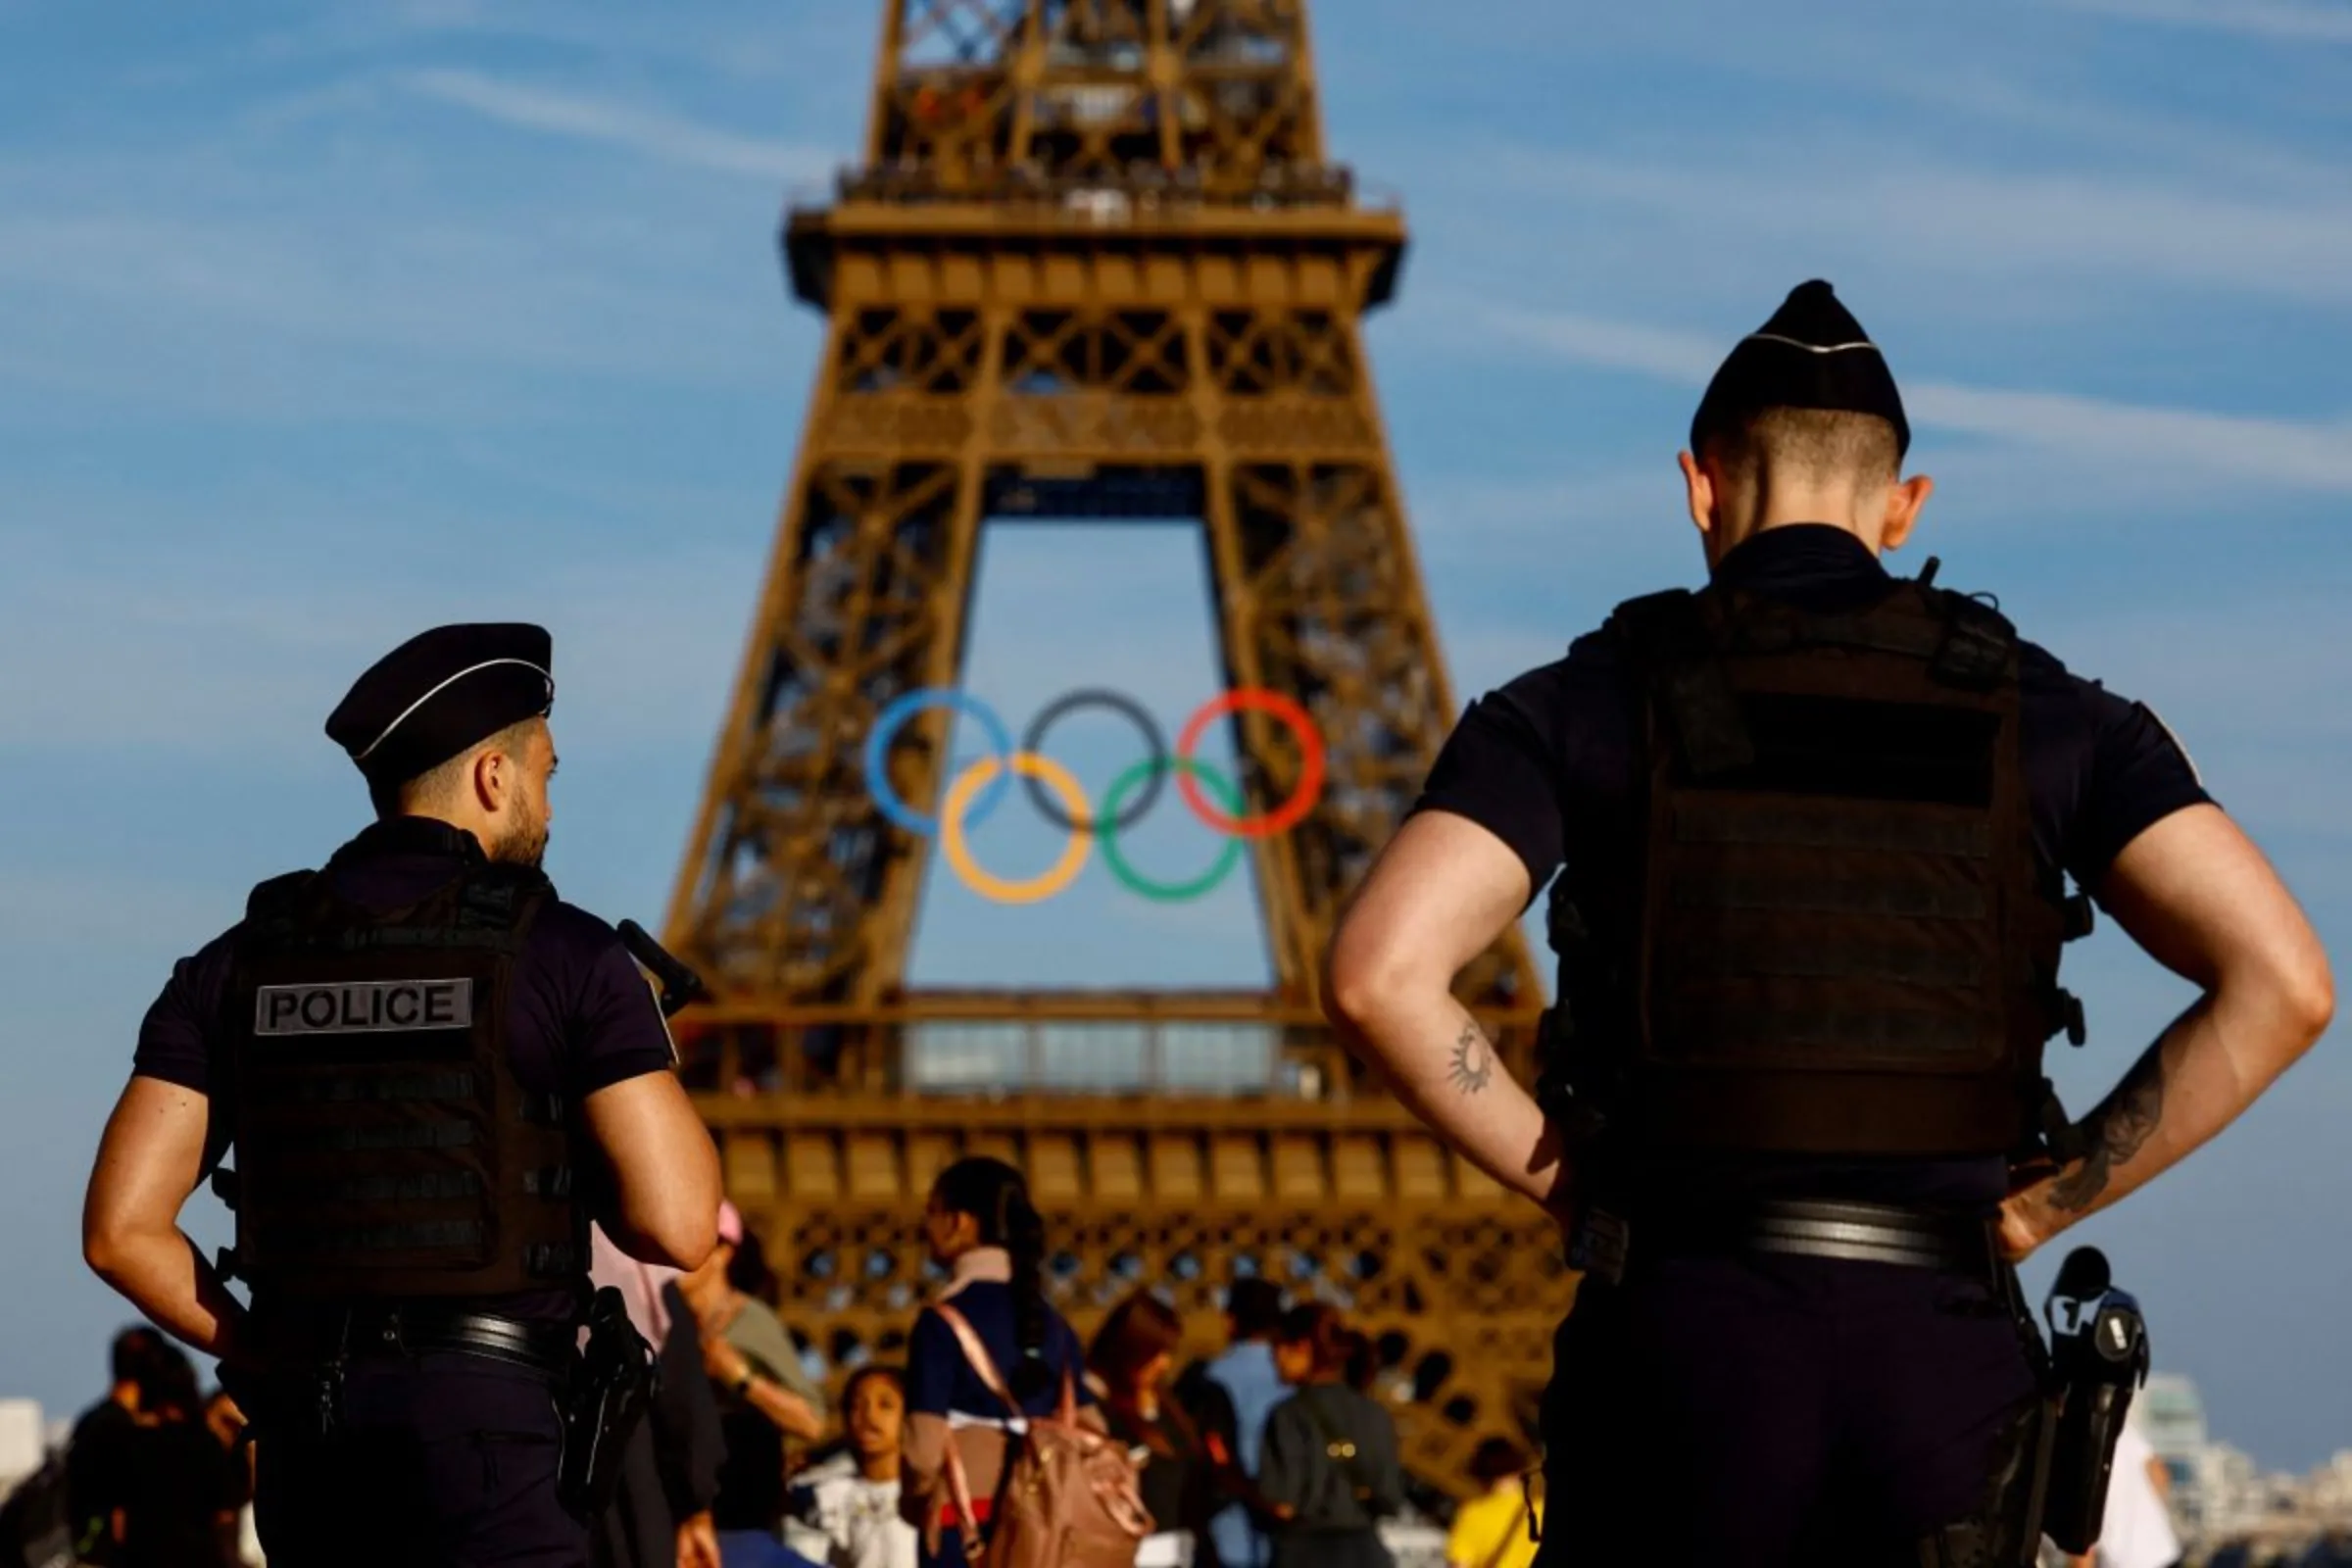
1331, 1469
983, 1229
844, 1512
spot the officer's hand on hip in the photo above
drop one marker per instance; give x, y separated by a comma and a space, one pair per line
2021, 1231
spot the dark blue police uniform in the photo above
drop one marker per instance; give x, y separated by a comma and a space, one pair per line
425, 1447
1780, 1409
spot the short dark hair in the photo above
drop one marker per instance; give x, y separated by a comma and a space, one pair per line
167, 1382
747, 1268
135, 1354
1496, 1459
394, 797
1317, 1327
868, 1372
1819, 441
1255, 1306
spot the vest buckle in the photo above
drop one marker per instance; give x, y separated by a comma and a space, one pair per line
2080, 916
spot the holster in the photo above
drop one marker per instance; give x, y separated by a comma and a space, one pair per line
605, 1400
2097, 1367
2051, 1471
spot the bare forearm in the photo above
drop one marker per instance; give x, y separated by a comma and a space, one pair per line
786, 1411
167, 1277
149, 1159
2198, 1077
790, 1415
1441, 1064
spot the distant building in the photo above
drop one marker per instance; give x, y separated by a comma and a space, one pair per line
23, 1441
2220, 1495
2172, 1414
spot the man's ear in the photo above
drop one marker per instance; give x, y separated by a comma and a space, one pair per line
1702, 486
493, 776
1903, 503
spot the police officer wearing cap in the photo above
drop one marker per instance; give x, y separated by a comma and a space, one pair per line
1813, 824
433, 1073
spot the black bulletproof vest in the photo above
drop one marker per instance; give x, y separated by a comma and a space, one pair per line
1840, 941
386, 1149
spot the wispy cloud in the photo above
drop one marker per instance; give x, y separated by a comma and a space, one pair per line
2268, 19
239, 661
2292, 454
1908, 208
646, 131
2287, 453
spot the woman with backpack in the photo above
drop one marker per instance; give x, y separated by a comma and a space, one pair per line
1331, 1472
994, 1385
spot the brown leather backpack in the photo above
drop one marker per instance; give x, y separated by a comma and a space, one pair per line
1071, 1496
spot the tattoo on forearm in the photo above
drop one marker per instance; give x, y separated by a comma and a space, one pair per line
2123, 1123
1473, 1065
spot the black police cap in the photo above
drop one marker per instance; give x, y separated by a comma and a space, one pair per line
441, 692
1811, 355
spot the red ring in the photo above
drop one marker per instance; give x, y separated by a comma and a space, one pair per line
1310, 773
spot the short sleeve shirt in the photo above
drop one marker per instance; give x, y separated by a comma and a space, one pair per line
584, 1017
1549, 763
940, 1381
1494, 1531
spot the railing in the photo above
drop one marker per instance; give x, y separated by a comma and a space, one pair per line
1140, 185
996, 1046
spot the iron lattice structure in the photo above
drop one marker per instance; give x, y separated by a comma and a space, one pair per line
1095, 262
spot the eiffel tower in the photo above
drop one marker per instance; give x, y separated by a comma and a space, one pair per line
1095, 261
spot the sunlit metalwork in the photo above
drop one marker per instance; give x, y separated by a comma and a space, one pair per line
1095, 262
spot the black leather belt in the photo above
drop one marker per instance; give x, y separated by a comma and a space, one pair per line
549, 1348
1867, 1232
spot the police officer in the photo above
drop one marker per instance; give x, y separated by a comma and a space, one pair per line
433, 1072
1815, 821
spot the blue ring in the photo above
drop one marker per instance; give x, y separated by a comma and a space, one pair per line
886, 724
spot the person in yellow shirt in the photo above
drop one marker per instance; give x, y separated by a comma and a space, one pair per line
1492, 1530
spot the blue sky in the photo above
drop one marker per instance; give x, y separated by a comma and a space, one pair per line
322, 322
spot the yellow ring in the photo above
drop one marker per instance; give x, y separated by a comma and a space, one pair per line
1061, 874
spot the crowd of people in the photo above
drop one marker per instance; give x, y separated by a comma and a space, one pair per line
155, 1475
1273, 1454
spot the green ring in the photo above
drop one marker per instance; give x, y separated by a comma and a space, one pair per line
1106, 829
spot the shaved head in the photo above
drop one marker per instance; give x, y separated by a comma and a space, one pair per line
1816, 445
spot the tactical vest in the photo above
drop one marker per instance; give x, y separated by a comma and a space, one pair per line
385, 1149
1837, 938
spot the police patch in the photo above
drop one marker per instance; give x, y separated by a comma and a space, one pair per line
364, 1006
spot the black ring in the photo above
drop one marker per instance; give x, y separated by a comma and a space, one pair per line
1096, 697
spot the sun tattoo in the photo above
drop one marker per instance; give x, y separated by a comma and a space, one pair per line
1473, 1063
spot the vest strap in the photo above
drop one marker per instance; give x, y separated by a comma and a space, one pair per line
1862, 1031
1848, 894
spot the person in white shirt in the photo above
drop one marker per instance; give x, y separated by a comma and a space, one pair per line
2136, 1531
844, 1512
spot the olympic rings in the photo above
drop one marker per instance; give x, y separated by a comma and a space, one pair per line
1312, 762
974, 792
1157, 764
1046, 884
886, 724
1154, 770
